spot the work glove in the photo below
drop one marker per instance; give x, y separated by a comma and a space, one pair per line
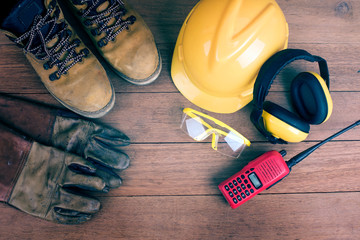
44, 181
65, 130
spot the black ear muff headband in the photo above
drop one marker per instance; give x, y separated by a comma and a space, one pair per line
268, 73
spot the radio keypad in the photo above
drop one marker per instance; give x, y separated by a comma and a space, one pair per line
243, 190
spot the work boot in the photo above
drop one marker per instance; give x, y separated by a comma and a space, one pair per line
69, 71
121, 37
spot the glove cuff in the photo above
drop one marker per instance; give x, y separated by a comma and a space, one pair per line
14, 149
30, 118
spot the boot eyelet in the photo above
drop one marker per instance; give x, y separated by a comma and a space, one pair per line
54, 76
69, 32
86, 52
103, 42
77, 41
87, 22
132, 19
46, 66
95, 32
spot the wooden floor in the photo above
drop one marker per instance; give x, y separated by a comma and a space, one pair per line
170, 189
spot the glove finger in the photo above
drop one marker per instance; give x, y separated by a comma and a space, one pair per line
70, 213
71, 204
64, 219
87, 167
86, 182
106, 155
111, 179
111, 136
80, 165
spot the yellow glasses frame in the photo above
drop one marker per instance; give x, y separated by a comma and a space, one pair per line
211, 130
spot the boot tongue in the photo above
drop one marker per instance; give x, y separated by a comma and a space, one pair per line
22, 16
21, 20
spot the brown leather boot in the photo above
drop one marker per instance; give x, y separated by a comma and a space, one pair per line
122, 38
69, 71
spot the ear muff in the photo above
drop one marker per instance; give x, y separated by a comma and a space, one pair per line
280, 126
284, 124
311, 97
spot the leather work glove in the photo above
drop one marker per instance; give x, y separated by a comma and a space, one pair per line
44, 181
68, 131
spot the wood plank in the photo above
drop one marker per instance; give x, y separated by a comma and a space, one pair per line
309, 21
155, 118
196, 169
285, 216
164, 111
316, 22
16, 74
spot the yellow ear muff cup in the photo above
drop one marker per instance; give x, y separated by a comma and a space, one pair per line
284, 124
311, 97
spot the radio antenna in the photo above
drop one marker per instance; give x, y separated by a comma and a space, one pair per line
298, 158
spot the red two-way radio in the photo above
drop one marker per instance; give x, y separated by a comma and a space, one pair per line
265, 171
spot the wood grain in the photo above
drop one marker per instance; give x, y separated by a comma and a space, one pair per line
156, 118
343, 63
195, 169
279, 216
170, 189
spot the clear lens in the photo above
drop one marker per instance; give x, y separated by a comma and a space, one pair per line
224, 141
231, 145
194, 127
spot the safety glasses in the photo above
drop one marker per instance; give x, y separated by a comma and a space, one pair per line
225, 140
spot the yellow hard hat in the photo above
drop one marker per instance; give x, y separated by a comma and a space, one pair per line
221, 47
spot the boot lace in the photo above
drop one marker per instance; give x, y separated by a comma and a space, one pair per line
61, 53
115, 10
